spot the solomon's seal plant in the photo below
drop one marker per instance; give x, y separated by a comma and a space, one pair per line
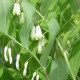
39, 39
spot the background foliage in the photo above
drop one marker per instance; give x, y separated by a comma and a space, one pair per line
60, 23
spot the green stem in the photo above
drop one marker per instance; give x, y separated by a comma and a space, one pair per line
39, 21
66, 59
35, 57
38, 69
40, 14
14, 40
72, 17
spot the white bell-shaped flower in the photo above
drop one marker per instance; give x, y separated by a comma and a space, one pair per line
10, 56
5, 53
17, 61
42, 41
33, 30
37, 77
34, 75
25, 68
16, 9
41, 44
39, 48
22, 18
38, 33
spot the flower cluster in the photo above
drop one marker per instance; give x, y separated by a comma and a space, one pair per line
36, 34
25, 65
25, 68
35, 75
7, 54
8, 50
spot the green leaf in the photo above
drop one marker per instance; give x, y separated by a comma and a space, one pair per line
1, 70
74, 59
75, 4
33, 1
6, 75
48, 5
70, 34
28, 10
11, 29
14, 73
67, 13
53, 31
58, 70
5, 8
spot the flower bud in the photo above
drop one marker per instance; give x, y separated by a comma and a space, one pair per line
16, 9
17, 61
10, 57
25, 68
33, 33
37, 77
5, 53
38, 33
22, 18
41, 44
34, 75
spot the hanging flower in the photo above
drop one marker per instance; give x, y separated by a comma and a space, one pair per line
25, 68
33, 33
16, 9
41, 44
5, 53
39, 48
10, 56
38, 33
34, 75
17, 61
22, 18
37, 77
